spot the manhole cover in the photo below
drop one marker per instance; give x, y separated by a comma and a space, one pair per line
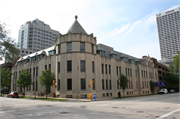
115, 107
64, 112
140, 111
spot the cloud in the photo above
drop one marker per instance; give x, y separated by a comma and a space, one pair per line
121, 30
172, 7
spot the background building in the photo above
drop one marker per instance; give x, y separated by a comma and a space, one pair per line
35, 36
168, 24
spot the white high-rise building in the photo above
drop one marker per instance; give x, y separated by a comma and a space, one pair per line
168, 24
35, 36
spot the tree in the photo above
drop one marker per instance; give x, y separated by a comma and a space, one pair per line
176, 61
46, 79
5, 78
171, 80
24, 79
123, 82
151, 86
9, 48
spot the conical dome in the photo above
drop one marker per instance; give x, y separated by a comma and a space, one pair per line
76, 27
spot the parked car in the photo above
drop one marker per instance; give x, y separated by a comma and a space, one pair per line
13, 95
172, 91
163, 91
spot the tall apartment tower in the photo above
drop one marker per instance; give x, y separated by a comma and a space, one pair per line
168, 24
34, 36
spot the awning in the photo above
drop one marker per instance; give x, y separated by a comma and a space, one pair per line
159, 84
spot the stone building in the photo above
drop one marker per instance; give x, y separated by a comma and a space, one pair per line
77, 58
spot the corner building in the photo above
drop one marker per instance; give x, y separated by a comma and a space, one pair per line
76, 59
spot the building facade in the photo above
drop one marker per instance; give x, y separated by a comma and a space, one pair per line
35, 36
76, 58
168, 24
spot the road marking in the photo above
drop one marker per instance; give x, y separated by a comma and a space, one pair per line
161, 117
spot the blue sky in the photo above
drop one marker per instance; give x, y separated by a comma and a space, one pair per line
129, 26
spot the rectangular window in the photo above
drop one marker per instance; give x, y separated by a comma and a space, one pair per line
106, 84
50, 66
109, 69
58, 67
92, 49
36, 85
103, 84
69, 66
69, 84
58, 84
83, 84
92, 66
33, 85
117, 70
109, 84
33, 72
106, 68
59, 49
45, 67
94, 84
69, 47
36, 71
117, 84
102, 67
126, 71
82, 47
82, 65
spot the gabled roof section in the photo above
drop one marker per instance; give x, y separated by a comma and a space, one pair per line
76, 27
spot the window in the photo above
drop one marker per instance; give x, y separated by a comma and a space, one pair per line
59, 49
50, 66
106, 68
33, 72
69, 84
120, 70
69, 66
58, 67
92, 66
102, 67
117, 70
126, 71
83, 84
109, 84
36, 85
36, 71
82, 47
109, 69
106, 84
92, 49
94, 84
69, 47
103, 84
45, 67
58, 84
82, 65
117, 84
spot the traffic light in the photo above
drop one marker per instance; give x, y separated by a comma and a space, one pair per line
92, 81
53, 82
55, 86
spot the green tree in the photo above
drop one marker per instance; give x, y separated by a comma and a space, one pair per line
151, 86
46, 79
24, 80
8, 46
176, 61
171, 80
5, 78
123, 82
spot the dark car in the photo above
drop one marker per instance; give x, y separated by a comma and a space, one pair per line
13, 95
172, 91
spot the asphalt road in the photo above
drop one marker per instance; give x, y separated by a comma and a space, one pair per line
146, 107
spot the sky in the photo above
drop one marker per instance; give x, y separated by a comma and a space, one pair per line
129, 26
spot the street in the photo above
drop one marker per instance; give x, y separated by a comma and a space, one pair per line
150, 107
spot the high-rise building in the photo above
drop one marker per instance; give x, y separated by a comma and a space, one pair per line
168, 24
35, 36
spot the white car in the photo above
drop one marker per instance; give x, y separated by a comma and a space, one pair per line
163, 91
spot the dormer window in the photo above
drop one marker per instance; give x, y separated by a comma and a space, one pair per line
113, 56
102, 53
52, 52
